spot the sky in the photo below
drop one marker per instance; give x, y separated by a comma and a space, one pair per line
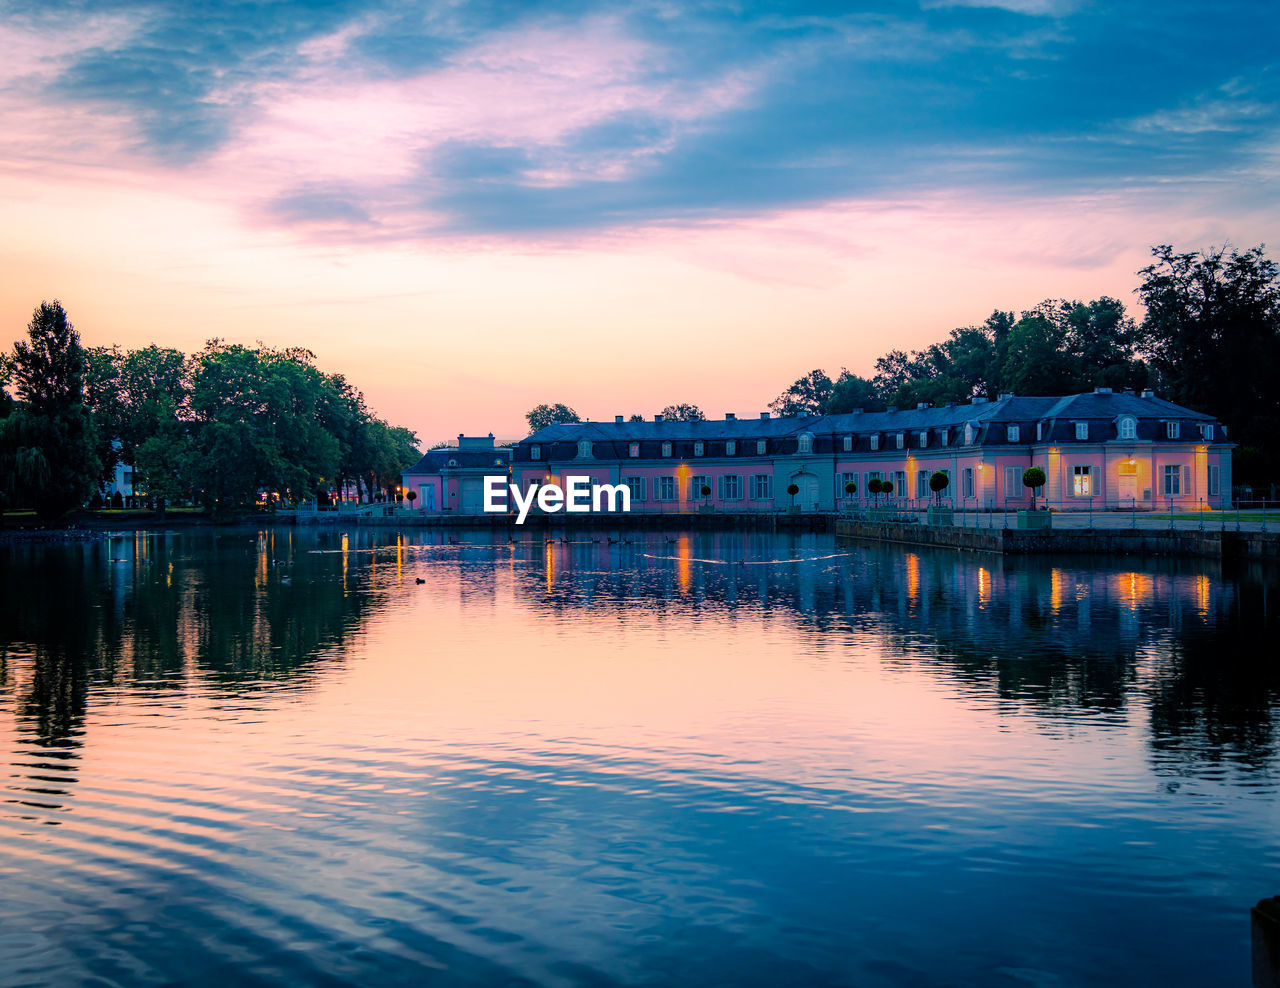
468, 209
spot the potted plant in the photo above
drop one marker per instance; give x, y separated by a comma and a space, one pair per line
938, 514
412, 496
793, 490
705, 491
1033, 479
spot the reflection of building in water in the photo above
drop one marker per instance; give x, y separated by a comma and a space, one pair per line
1047, 637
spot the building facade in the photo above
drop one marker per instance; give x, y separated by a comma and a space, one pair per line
452, 478
1099, 451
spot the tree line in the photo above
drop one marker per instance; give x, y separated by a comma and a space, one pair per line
218, 428
1209, 340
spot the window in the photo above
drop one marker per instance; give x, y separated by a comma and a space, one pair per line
899, 482
1012, 433
731, 487
968, 435
1214, 479
804, 443
760, 447
535, 452
946, 436
922, 484
1082, 481
1172, 430
1128, 427
968, 481
924, 438
730, 447
1172, 480
696, 483
666, 449
848, 444
584, 447
636, 484
875, 442
1082, 430
1039, 431
666, 488
1206, 430
633, 450
1013, 482
900, 439
761, 487
699, 448
845, 480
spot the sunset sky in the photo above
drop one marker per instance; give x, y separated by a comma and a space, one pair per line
472, 208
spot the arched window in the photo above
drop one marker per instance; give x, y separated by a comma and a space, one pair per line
924, 438
584, 447
804, 443
730, 447
699, 448
666, 449
535, 452
968, 435
848, 444
1128, 427
634, 449
760, 447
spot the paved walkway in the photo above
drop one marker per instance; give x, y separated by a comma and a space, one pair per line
1113, 520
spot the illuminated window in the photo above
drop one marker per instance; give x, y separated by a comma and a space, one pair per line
666, 449
1082, 430
1082, 481
634, 449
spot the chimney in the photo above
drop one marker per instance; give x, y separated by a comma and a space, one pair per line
922, 405
617, 420
1148, 393
657, 418
1102, 391
978, 401
1007, 394
730, 417
764, 416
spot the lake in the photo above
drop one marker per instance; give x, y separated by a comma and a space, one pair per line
678, 759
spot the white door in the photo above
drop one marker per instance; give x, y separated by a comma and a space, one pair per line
1127, 489
427, 495
808, 496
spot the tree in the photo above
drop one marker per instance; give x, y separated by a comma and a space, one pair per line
541, 416
938, 482
48, 443
874, 487
1033, 478
683, 413
793, 490
636, 418
850, 488
1212, 334
850, 393
809, 395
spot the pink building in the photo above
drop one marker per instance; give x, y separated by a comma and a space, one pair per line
1099, 451
452, 478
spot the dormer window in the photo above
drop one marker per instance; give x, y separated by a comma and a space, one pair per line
924, 438
698, 448
901, 439
875, 442
584, 448
1128, 427
848, 444
1206, 431
1172, 430
634, 450
1082, 430
1012, 433
760, 447
946, 436
1039, 431
804, 442
730, 447
968, 435
666, 449
535, 452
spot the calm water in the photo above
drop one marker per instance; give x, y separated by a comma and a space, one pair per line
707, 759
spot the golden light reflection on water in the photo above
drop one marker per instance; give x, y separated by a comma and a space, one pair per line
684, 565
984, 586
912, 563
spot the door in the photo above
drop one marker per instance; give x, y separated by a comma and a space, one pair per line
472, 496
807, 497
427, 495
1127, 489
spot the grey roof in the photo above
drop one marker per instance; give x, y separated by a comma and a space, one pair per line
1015, 409
435, 460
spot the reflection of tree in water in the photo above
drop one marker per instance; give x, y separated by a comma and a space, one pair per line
1053, 637
242, 608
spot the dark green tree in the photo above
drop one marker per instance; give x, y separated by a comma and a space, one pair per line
683, 413
541, 416
809, 395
